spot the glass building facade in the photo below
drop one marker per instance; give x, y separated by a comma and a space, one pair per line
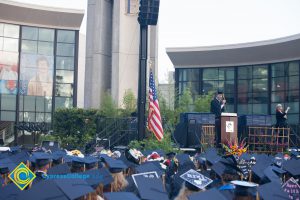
38, 69
255, 89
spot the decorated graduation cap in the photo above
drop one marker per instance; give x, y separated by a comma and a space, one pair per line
272, 191
292, 167
120, 196
195, 181
149, 167
98, 176
59, 169
150, 188
209, 194
74, 188
244, 188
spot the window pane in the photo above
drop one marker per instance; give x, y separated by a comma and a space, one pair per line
244, 86
66, 36
10, 44
278, 97
45, 48
29, 103
64, 90
260, 85
294, 107
1, 29
245, 72
194, 86
61, 102
11, 59
8, 116
29, 46
293, 96
294, 83
226, 73
48, 117
29, 33
11, 31
40, 117
229, 98
9, 86
278, 84
63, 76
65, 49
260, 98
29, 117
229, 108
210, 74
43, 104
65, 63
229, 87
46, 34
1, 43
210, 86
244, 109
278, 70
8, 102
293, 68
293, 118
260, 109
244, 98
260, 72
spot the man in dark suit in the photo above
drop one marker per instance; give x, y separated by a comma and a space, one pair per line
217, 106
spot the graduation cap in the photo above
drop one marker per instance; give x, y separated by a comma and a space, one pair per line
120, 196
149, 167
220, 91
219, 168
292, 167
115, 166
74, 188
98, 176
127, 161
272, 191
208, 194
244, 188
212, 156
78, 162
150, 188
295, 154
68, 159
44, 190
22, 156
59, 169
58, 155
40, 158
259, 167
90, 162
271, 175
6, 166
171, 155
278, 170
195, 180
10, 192
15, 149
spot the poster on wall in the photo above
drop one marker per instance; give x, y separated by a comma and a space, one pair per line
36, 75
8, 72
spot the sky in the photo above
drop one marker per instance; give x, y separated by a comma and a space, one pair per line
185, 23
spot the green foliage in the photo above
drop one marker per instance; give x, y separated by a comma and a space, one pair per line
202, 103
152, 143
43, 137
185, 101
129, 103
108, 106
74, 126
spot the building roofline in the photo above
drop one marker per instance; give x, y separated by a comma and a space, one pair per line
234, 46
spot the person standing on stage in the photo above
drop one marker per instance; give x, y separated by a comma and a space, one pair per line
217, 105
281, 116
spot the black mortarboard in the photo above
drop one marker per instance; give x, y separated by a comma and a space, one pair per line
90, 162
59, 169
292, 166
244, 188
78, 162
149, 167
278, 170
208, 194
68, 159
220, 92
10, 192
272, 191
40, 158
170, 155
195, 180
271, 175
98, 176
6, 166
120, 196
22, 156
259, 167
74, 188
150, 188
115, 166
211, 156
44, 190
58, 155
219, 168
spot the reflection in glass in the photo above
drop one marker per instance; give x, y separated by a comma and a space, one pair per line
293, 96
65, 49
29, 33
210, 74
61, 102
11, 31
244, 86
29, 117
63, 76
8, 116
278, 70
278, 97
66, 36
260, 109
64, 90
259, 98
46, 34
244, 109
1, 29
294, 83
8, 102
244, 98
43, 104
278, 84
29, 103
293, 68
260, 85
45, 48
260, 71
210, 86
10, 44
65, 63
245, 72
29, 46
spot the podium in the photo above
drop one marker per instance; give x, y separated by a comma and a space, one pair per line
229, 127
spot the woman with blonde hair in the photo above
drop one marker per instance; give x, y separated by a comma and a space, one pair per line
281, 116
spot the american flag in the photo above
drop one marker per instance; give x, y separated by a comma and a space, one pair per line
154, 119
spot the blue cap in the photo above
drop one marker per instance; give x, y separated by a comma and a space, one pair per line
120, 196
115, 166
6, 166
57, 155
149, 167
10, 192
292, 167
40, 157
219, 168
208, 194
23, 156
272, 191
59, 169
151, 188
97, 176
90, 162
77, 161
195, 180
74, 188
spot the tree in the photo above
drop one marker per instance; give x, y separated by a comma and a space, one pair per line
129, 103
202, 103
108, 106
